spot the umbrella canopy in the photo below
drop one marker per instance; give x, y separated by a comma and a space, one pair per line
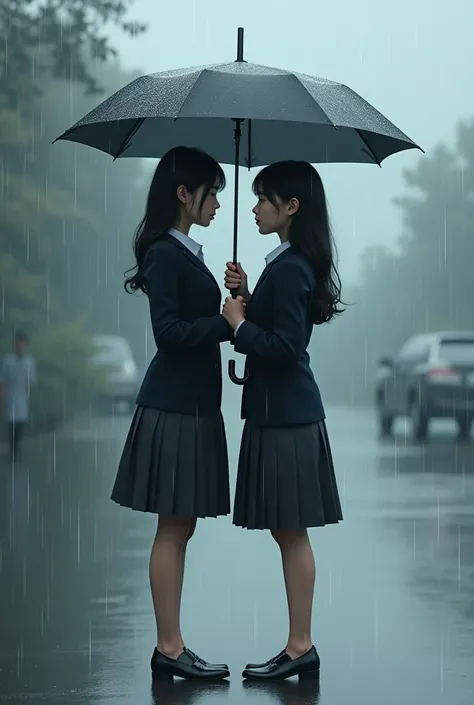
285, 115
276, 114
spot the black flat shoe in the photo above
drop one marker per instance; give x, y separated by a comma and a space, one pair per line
223, 666
266, 663
187, 665
283, 666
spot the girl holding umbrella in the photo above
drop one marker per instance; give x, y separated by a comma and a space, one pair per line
286, 481
174, 462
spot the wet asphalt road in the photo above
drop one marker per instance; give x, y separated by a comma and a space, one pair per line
394, 604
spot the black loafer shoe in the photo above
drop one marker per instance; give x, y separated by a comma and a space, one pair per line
223, 666
305, 666
267, 663
187, 665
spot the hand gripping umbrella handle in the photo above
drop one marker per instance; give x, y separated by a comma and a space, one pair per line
232, 375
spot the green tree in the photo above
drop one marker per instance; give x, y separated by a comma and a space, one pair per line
90, 255
39, 42
28, 299
40, 39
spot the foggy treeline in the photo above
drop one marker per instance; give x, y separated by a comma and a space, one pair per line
67, 212
426, 284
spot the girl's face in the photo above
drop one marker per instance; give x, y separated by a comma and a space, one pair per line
273, 219
191, 204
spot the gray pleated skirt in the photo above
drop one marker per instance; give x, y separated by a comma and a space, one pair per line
174, 464
286, 479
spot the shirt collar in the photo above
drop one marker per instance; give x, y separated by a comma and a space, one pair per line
277, 251
187, 241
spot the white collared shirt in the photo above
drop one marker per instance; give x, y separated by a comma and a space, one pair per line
188, 242
268, 259
276, 252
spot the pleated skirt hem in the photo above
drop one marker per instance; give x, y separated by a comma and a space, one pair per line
174, 465
286, 479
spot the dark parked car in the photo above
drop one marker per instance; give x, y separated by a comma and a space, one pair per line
431, 377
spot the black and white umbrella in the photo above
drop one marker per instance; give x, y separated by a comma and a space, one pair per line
272, 114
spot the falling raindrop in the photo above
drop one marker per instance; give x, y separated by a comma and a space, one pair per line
78, 535
90, 647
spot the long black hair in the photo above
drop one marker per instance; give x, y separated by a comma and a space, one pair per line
181, 166
310, 231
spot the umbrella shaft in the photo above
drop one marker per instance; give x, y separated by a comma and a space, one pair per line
240, 44
237, 135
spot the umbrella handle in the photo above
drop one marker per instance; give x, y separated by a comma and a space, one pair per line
233, 377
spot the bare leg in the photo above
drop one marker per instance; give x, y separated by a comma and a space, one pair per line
300, 572
166, 579
192, 528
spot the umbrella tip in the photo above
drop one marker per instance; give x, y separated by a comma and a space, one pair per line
240, 44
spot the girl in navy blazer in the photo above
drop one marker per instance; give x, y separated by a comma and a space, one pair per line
286, 481
174, 462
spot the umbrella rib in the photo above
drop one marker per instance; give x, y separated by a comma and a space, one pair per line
126, 141
191, 90
312, 98
249, 145
369, 148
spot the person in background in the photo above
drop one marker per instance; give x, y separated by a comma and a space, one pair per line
17, 374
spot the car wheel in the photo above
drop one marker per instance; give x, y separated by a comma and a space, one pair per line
419, 420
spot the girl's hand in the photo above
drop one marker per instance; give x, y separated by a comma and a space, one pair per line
234, 311
236, 278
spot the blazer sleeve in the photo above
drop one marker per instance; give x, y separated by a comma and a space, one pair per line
286, 341
170, 332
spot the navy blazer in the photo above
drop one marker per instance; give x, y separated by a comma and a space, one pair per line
281, 389
185, 376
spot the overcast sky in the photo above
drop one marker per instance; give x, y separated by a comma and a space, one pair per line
412, 59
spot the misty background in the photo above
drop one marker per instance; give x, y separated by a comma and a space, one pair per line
68, 213
395, 583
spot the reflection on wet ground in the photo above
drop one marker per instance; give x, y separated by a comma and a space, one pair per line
437, 525
394, 607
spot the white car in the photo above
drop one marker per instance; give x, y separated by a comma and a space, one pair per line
114, 354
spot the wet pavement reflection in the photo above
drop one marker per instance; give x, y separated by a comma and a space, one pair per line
394, 605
